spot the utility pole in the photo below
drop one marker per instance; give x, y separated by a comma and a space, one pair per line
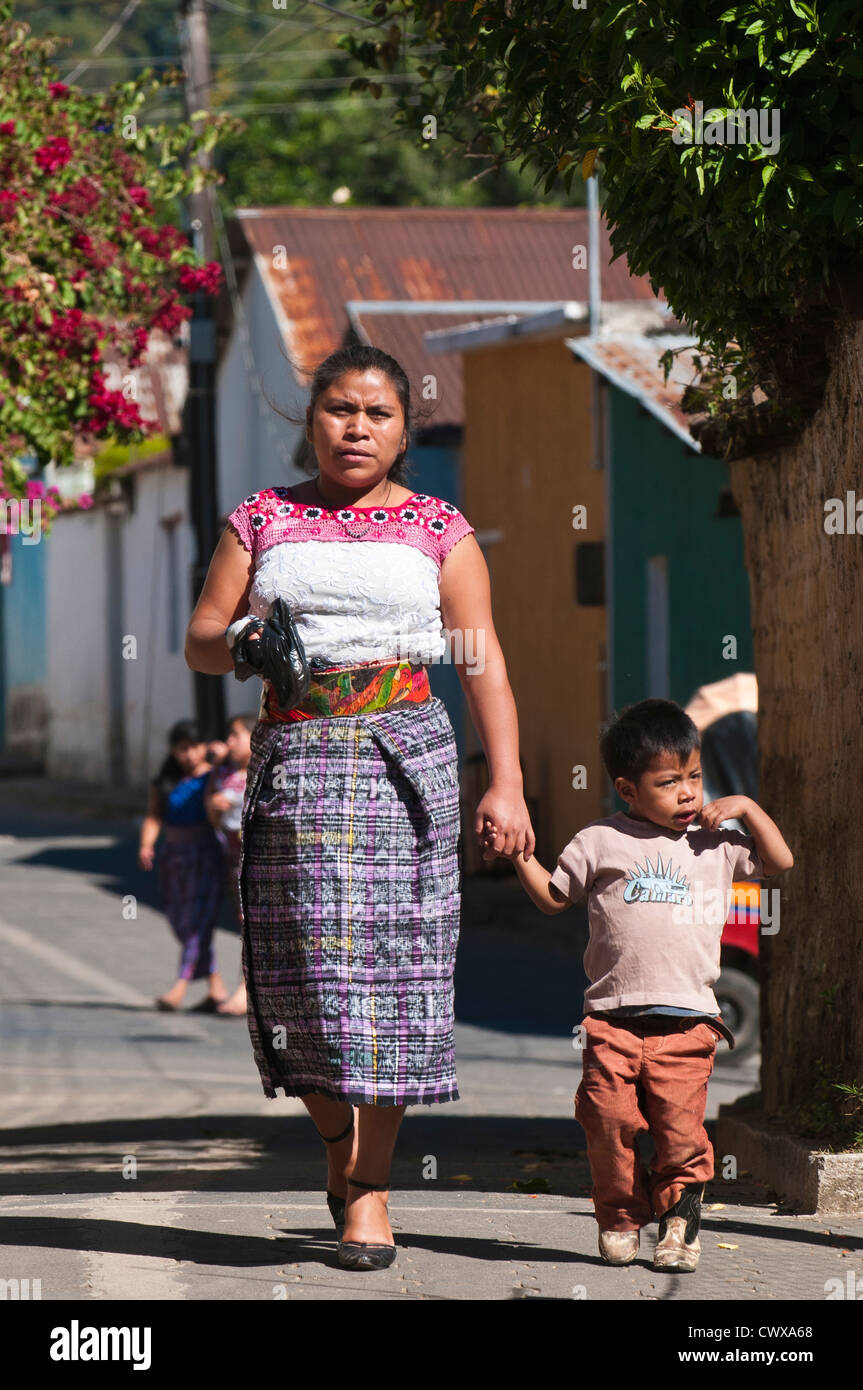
199, 416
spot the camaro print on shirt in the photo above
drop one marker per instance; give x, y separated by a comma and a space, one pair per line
662, 884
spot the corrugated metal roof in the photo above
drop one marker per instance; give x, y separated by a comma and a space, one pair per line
315, 260
402, 336
632, 362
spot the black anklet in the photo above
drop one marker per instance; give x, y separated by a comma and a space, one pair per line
344, 1134
368, 1186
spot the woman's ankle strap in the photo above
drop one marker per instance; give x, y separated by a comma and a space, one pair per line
369, 1186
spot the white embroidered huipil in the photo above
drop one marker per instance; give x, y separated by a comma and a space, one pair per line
354, 600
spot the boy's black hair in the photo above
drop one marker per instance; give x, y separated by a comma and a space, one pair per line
629, 742
250, 720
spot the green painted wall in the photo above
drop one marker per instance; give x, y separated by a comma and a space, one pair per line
665, 499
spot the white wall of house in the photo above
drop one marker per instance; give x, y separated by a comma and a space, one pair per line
255, 444
85, 667
76, 643
151, 591
157, 558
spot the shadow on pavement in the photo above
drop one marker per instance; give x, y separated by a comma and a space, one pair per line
436, 1154
226, 1153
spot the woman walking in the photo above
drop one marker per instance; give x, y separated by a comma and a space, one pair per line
349, 869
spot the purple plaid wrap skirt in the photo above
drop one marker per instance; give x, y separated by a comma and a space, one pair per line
350, 883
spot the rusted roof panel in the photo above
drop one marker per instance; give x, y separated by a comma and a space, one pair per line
315, 260
401, 335
632, 363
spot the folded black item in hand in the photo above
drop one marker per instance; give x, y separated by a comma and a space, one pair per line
246, 655
278, 655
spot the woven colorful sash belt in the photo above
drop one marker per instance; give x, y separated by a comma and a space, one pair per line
352, 690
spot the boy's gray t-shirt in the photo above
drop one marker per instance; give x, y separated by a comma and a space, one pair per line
657, 902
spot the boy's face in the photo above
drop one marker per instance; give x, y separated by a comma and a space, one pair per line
669, 793
239, 743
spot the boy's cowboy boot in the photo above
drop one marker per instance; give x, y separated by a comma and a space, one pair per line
678, 1246
618, 1247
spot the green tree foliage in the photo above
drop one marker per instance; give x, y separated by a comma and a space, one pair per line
757, 247
309, 133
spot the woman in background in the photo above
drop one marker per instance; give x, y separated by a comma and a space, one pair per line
190, 863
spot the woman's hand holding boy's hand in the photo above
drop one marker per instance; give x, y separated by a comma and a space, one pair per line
502, 825
494, 843
534, 878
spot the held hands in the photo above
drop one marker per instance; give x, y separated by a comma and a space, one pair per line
146, 856
726, 808
502, 825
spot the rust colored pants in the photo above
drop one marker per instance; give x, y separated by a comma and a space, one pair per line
637, 1079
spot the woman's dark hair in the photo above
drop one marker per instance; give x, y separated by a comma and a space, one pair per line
170, 773
356, 357
637, 735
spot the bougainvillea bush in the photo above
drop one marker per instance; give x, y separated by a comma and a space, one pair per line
88, 262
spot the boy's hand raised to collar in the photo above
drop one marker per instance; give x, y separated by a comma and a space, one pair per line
773, 852
714, 813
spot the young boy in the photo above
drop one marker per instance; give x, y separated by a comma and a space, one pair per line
223, 802
652, 1023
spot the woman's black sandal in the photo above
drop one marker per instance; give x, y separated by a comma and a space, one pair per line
337, 1204
355, 1254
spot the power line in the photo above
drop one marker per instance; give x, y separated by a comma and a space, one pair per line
342, 14
256, 50
261, 82
271, 107
312, 54
301, 25
110, 34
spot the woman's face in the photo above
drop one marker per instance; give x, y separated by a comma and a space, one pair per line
188, 754
358, 429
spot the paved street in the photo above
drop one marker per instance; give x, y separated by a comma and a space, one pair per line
139, 1158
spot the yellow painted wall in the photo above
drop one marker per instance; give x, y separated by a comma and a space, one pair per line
527, 461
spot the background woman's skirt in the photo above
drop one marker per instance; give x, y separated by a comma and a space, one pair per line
350, 888
191, 884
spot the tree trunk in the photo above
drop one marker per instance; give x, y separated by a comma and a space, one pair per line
807, 616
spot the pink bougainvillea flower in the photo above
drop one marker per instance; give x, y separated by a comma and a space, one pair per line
54, 154
79, 198
170, 315
57, 89
85, 500
201, 277
7, 127
140, 196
